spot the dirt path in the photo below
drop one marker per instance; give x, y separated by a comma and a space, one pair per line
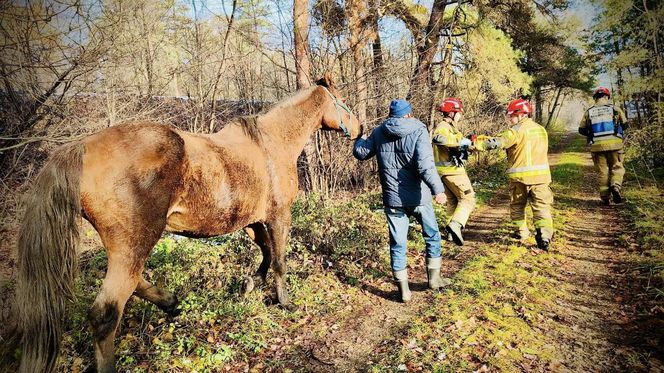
602, 306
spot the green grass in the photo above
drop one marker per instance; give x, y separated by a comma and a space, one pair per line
642, 189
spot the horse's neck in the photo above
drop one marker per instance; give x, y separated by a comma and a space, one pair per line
289, 126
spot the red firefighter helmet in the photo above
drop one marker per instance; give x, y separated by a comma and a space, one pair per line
602, 91
451, 105
519, 106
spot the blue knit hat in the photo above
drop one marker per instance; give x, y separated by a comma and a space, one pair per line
399, 108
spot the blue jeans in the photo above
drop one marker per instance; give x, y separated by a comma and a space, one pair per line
397, 221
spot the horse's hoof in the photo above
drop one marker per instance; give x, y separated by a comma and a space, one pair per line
172, 309
248, 285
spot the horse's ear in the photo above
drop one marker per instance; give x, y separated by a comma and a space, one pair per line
326, 80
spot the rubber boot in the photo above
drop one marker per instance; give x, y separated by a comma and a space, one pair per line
454, 229
542, 243
616, 195
401, 279
433, 274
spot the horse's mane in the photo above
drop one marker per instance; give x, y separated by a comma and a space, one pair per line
249, 125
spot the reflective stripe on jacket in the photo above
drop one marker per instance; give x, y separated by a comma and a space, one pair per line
527, 146
446, 136
606, 123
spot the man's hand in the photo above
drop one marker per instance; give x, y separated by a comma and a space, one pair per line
441, 199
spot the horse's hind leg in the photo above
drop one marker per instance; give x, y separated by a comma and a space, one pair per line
127, 252
120, 282
166, 301
278, 230
259, 234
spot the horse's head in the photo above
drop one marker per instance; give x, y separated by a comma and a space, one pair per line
336, 115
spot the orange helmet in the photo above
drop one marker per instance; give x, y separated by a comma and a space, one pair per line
519, 106
451, 105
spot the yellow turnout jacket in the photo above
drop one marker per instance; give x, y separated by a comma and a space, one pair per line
527, 146
446, 136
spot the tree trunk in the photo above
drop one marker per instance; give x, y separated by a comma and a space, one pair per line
301, 41
420, 87
441, 86
538, 104
220, 69
560, 107
619, 75
357, 18
306, 163
378, 65
553, 108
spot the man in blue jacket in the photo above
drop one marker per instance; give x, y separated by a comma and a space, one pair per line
408, 177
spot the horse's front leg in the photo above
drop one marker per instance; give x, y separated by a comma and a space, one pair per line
278, 230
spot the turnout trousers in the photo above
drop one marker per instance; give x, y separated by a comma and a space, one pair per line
540, 198
460, 197
610, 170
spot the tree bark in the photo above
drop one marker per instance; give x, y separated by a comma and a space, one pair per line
378, 64
301, 41
553, 108
538, 104
420, 86
307, 170
357, 20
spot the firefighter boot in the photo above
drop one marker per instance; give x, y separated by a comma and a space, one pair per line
616, 195
433, 274
401, 279
454, 229
542, 243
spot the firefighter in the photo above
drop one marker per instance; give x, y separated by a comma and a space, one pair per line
450, 153
602, 124
526, 144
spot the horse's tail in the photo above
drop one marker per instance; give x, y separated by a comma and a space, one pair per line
47, 257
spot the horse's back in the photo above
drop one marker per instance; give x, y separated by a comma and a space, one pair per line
130, 173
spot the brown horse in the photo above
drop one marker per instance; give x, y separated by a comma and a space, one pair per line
134, 181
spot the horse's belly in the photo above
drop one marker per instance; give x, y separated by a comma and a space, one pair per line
214, 213
195, 224
223, 190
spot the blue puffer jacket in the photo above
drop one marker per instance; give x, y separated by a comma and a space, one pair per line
405, 160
